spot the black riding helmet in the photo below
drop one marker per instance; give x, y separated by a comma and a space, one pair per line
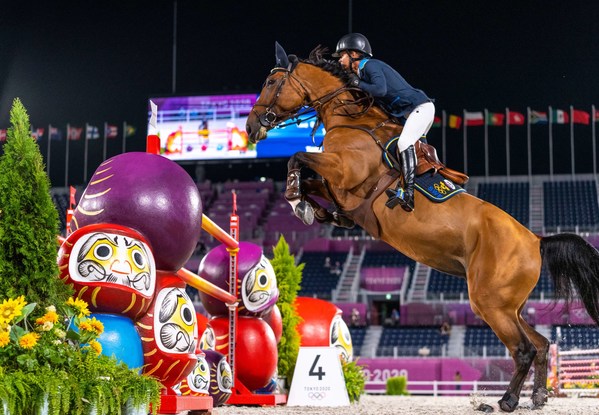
353, 41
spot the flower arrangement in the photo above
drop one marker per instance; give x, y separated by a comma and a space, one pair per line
54, 360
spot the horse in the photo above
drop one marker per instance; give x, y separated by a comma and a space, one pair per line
464, 236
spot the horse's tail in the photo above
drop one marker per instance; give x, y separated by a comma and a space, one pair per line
573, 263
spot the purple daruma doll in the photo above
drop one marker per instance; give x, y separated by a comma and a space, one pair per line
256, 281
151, 195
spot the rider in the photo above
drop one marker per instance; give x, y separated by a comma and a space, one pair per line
391, 91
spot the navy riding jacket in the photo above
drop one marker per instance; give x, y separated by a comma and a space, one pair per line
389, 88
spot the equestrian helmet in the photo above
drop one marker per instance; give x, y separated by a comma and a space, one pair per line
353, 41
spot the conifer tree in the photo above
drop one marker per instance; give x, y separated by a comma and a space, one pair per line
289, 278
28, 219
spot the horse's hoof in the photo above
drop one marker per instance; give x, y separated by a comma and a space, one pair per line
539, 398
305, 212
483, 407
508, 403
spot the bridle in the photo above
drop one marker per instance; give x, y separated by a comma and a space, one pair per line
271, 119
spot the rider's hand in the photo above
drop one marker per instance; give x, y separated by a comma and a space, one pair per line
354, 80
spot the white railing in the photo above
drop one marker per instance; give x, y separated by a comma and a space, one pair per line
449, 387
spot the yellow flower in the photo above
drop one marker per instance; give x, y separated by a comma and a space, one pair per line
49, 317
97, 326
92, 325
29, 340
79, 305
9, 309
85, 325
4, 338
95, 346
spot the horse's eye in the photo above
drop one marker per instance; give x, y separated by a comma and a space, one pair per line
270, 82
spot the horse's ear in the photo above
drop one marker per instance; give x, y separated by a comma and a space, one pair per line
282, 61
293, 61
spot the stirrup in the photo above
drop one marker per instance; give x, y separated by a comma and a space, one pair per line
395, 197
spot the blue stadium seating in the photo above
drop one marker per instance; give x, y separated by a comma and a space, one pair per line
450, 286
477, 339
357, 338
576, 337
318, 280
571, 205
407, 341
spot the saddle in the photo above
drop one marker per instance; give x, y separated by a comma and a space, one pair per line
428, 160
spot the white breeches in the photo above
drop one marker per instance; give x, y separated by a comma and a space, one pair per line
418, 123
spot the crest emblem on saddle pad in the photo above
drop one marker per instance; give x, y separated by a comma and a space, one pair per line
434, 186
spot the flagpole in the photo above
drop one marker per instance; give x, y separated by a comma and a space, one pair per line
528, 145
572, 158
593, 139
48, 152
124, 136
66, 157
507, 142
104, 148
85, 153
465, 143
550, 118
486, 144
443, 132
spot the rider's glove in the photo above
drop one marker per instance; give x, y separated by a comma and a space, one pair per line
354, 80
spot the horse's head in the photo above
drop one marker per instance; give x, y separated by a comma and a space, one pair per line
275, 104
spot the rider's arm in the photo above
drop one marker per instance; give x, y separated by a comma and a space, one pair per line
373, 80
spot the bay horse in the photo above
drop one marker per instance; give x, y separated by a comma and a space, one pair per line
464, 236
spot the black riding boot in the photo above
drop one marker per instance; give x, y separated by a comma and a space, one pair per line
405, 197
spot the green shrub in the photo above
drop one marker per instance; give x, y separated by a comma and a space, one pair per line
354, 380
397, 385
289, 278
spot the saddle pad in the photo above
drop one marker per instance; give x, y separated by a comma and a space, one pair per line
436, 187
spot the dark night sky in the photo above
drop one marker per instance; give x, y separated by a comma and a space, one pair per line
91, 61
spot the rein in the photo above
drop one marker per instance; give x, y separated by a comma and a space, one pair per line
271, 119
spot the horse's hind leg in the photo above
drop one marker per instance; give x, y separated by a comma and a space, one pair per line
539, 392
505, 323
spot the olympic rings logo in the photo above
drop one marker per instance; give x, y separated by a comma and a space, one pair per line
317, 396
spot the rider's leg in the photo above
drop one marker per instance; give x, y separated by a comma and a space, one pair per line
417, 124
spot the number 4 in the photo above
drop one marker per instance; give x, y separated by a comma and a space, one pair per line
313, 372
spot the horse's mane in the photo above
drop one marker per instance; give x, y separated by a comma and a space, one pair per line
316, 58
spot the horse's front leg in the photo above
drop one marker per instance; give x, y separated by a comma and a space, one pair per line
318, 188
304, 207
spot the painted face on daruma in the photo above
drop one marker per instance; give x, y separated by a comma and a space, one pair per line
111, 267
150, 194
256, 284
340, 338
197, 382
168, 332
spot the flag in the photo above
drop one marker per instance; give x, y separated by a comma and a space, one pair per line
91, 132
130, 130
596, 115
495, 118
2, 135
437, 122
538, 117
515, 118
559, 116
72, 201
455, 121
54, 134
37, 134
74, 133
112, 131
580, 117
473, 119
